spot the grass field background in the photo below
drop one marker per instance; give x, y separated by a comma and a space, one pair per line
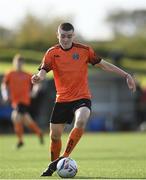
99, 156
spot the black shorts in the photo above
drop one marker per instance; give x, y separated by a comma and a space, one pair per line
22, 108
63, 112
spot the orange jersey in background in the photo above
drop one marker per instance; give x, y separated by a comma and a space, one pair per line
19, 85
70, 70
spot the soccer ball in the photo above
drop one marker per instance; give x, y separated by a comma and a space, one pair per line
67, 168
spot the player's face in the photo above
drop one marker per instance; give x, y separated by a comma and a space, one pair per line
65, 38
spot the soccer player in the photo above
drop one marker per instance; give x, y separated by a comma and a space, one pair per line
16, 87
69, 61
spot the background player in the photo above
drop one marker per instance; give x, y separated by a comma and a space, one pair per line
16, 87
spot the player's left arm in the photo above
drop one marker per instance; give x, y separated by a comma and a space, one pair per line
106, 66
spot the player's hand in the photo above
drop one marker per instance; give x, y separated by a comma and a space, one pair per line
5, 100
35, 79
131, 82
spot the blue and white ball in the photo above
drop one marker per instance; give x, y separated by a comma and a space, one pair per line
67, 168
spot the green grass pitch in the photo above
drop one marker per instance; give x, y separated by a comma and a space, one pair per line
98, 155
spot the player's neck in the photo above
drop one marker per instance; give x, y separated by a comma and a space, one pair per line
66, 49
18, 70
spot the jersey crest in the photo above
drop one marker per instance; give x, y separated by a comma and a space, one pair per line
75, 56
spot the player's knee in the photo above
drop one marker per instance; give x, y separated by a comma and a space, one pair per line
80, 124
81, 117
55, 136
15, 117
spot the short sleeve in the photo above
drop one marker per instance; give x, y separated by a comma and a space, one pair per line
93, 57
46, 62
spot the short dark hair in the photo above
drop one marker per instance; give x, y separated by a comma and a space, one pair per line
66, 26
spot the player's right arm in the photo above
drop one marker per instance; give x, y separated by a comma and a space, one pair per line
4, 92
36, 78
44, 68
5, 87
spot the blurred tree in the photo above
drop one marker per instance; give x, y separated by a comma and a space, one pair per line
5, 36
128, 23
30, 33
129, 32
35, 33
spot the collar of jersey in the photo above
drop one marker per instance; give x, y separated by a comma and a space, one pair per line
68, 48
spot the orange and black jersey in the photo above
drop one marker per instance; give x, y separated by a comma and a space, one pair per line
19, 86
70, 70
